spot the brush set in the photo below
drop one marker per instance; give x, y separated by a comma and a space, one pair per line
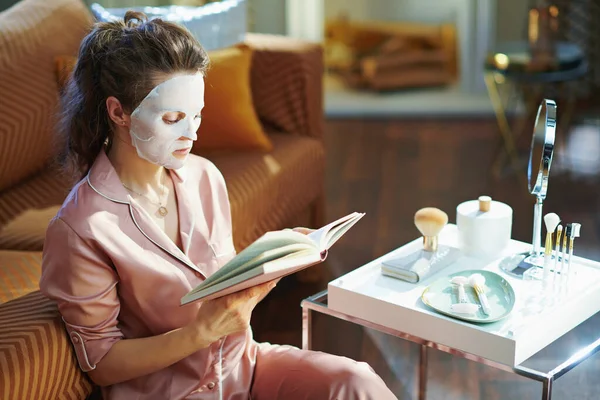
558, 267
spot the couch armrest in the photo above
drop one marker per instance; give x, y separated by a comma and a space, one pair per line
39, 362
287, 84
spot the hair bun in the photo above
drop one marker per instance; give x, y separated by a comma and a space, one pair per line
134, 19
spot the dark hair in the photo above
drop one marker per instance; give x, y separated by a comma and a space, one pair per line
123, 59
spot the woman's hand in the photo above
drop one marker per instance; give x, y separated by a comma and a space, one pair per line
132, 358
228, 314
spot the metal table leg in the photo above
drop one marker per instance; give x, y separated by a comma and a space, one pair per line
423, 372
547, 388
306, 328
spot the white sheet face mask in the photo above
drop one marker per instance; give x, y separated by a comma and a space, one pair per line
154, 137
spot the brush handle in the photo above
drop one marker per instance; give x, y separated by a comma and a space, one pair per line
556, 255
557, 249
564, 253
547, 256
569, 266
462, 295
547, 260
485, 305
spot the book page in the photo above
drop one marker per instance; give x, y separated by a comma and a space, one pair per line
256, 276
320, 236
269, 241
331, 233
267, 256
338, 231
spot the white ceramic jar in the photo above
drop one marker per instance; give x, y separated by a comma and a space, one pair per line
484, 227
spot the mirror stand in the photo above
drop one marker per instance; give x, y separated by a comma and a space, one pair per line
542, 148
537, 226
519, 264
535, 257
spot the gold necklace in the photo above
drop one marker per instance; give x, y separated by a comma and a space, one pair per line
162, 210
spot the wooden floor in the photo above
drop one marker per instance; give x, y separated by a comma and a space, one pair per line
391, 168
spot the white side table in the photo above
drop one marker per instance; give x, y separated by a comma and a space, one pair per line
367, 298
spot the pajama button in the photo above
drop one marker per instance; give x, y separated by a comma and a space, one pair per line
75, 339
211, 385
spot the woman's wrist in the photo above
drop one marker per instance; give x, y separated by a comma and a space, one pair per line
198, 336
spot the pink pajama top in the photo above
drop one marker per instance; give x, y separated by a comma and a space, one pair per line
116, 275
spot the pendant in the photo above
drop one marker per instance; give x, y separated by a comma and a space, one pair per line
162, 210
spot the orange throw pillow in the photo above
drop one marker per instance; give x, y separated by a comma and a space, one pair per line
229, 120
64, 67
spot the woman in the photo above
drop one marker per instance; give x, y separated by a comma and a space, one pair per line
147, 223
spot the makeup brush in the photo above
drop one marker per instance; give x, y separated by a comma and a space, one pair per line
551, 220
564, 249
477, 281
430, 221
559, 230
564, 273
572, 233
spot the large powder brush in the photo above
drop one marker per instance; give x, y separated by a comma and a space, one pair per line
430, 221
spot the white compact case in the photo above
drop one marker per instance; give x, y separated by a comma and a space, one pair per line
484, 227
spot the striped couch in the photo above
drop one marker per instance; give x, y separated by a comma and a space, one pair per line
36, 359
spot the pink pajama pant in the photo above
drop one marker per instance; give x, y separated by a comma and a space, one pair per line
288, 373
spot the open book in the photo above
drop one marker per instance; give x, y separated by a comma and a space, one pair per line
272, 256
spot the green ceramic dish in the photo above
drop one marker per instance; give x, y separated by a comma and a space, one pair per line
441, 294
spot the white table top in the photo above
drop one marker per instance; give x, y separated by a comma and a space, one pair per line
365, 293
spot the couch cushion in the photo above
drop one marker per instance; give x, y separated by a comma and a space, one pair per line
26, 209
32, 33
287, 83
267, 190
229, 120
38, 359
19, 273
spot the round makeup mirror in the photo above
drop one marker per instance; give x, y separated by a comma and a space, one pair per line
540, 159
538, 170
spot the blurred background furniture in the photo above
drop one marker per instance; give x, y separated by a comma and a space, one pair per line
511, 65
386, 56
217, 24
268, 190
547, 64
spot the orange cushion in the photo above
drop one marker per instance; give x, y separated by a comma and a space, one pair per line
20, 273
32, 33
64, 66
38, 361
229, 120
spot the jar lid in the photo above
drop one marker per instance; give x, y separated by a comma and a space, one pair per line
484, 208
485, 202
